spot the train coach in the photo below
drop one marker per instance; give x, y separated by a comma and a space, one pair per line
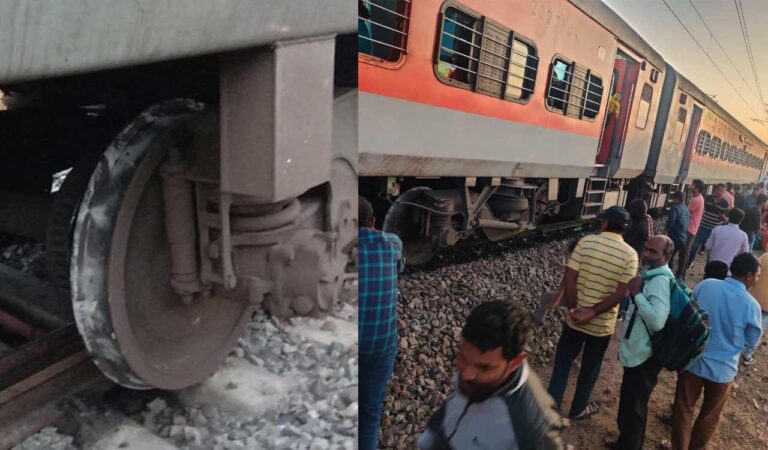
485, 119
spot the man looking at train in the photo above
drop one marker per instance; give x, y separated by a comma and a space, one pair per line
499, 402
695, 211
715, 209
647, 313
678, 218
380, 261
728, 240
595, 282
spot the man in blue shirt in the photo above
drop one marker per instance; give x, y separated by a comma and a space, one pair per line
677, 229
380, 261
734, 317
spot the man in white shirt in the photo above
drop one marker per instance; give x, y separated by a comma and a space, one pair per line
727, 241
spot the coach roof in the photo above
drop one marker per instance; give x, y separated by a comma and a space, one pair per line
612, 22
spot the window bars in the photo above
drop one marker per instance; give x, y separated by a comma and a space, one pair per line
486, 57
382, 28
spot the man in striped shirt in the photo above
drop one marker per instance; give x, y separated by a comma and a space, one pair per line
715, 210
596, 281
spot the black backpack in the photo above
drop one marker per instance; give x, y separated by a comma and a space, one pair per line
686, 332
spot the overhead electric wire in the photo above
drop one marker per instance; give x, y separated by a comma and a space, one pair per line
748, 45
709, 57
717, 41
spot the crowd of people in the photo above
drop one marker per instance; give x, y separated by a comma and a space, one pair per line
622, 277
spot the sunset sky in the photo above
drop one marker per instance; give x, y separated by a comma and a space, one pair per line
658, 26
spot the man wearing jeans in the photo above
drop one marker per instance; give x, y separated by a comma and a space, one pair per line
677, 225
734, 318
696, 211
595, 282
380, 261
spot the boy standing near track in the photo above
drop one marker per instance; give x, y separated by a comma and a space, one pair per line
595, 283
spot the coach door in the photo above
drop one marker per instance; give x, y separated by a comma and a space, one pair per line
625, 72
693, 131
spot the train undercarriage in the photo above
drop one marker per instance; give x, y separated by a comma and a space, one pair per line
186, 195
430, 214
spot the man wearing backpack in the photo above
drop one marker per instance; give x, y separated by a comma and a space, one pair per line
735, 322
648, 312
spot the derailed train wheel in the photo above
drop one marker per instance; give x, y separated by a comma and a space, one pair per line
403, 219
137, 329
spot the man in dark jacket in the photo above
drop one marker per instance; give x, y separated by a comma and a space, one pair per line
500, 402
753, 218
677, 228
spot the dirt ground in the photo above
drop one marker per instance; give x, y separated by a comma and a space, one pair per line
745, 418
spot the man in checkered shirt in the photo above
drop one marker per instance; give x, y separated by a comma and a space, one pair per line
380, 261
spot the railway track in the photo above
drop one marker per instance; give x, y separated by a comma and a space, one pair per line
43, 358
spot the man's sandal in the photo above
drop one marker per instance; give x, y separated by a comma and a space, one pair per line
591, 409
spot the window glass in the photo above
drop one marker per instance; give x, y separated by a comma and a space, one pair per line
521, 75
645, 106
677, 134
594, 97
559, 84
382, 28
459, 47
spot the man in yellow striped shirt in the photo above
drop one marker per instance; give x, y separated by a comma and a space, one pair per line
596, 281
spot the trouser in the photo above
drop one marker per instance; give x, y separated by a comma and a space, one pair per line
698, 243
568, 348
636, 387
680, 253
374, 372
689, 387
683, 261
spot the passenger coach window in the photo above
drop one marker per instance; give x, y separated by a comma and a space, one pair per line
645, 106
677, 134
704, 144
573, 90
480, 54
459, 48
382, 28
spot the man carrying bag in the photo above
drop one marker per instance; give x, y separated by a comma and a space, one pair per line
647, 314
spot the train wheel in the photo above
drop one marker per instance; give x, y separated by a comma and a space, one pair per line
58, 240
402, 219
138, 331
